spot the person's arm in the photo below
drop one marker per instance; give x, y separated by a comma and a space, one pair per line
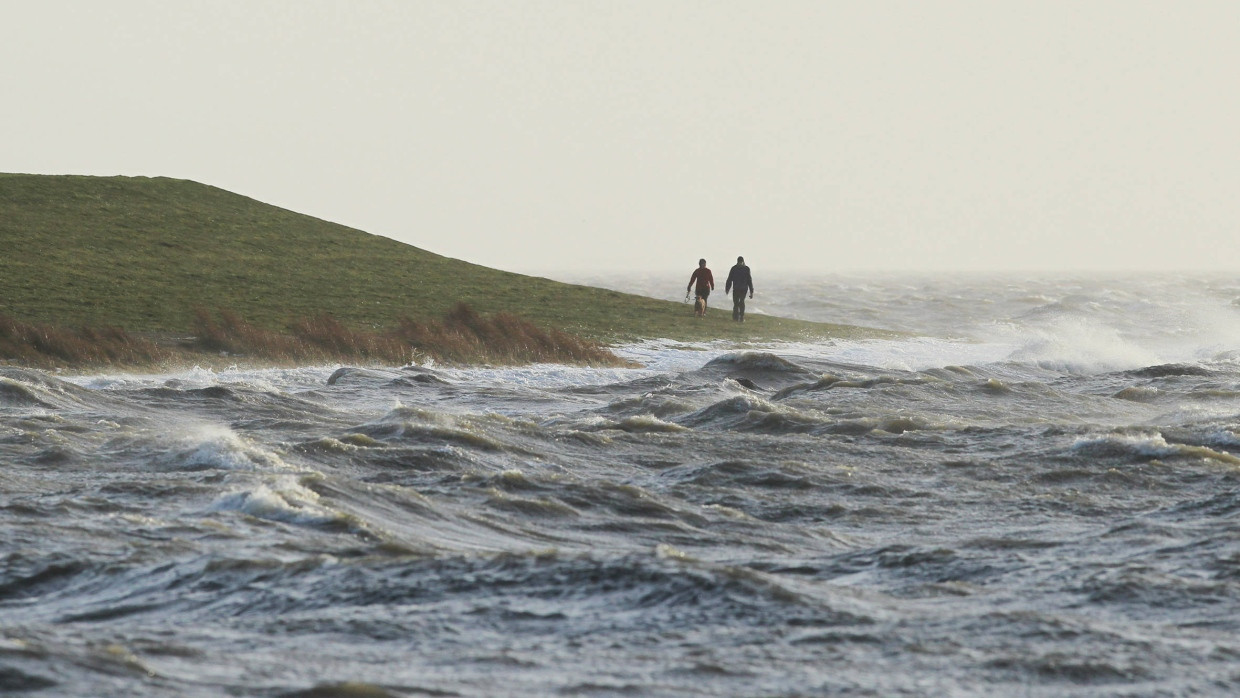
727, 285
691, 278
751, 284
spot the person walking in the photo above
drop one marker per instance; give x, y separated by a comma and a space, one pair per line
705, 284
739, 281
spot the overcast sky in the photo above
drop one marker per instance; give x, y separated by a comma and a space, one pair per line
534, 136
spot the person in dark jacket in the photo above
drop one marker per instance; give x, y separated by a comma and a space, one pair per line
705, 284
739, 281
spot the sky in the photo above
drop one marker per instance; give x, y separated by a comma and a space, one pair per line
641, 135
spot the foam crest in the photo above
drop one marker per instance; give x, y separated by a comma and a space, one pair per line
641, 423
544, 376
23, 387
282, 499
1148, 447
216, 447
1120, 331
909, 354
263, 379
1075, 344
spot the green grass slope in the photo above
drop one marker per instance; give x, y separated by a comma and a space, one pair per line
141, 253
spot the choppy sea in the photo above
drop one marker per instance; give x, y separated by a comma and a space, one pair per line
1035, 493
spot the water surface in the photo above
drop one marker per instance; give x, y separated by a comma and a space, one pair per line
1039, 497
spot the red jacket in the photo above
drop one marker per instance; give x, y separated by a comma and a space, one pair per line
705, 280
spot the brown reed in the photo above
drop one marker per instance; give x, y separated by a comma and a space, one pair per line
46, 346
462, 337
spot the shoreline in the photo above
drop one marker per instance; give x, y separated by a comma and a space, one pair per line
462, 339
185, 359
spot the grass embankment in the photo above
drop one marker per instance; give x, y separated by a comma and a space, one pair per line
462, 336
142, 254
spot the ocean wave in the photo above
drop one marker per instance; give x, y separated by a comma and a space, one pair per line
749, 413
283, 499
1148, 447
661, 404
535, 507
830, 382
18, 394
29, 575
729, 411
1166, 370
407, 424
1138, 394
210, 447
1073, 669
26, 388
210, 393
1138, 585
756, 361
743, 473
352, 375
646, 424
543, 584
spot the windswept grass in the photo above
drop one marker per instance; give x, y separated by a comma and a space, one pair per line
46, 346
330, 335
317, 339
462, 336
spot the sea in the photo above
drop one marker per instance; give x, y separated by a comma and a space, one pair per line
1032, 490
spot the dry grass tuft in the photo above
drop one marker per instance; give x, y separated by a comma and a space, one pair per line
462, 337
46, 346
328, 334
233, 335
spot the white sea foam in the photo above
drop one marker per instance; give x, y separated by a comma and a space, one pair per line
542, 375
1149, 446
272, 379
280, 499
210, 446
1075, 344
655, 356
910, 354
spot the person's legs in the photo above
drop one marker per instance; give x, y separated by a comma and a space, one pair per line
738, 306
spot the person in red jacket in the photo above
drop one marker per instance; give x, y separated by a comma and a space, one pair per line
705, 284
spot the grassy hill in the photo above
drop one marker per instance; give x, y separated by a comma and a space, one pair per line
142, 253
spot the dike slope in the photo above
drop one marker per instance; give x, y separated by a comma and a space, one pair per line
141, 253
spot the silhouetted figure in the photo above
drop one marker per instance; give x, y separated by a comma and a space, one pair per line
705, 284
739, 281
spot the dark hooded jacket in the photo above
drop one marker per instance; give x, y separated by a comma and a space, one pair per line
739, 277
